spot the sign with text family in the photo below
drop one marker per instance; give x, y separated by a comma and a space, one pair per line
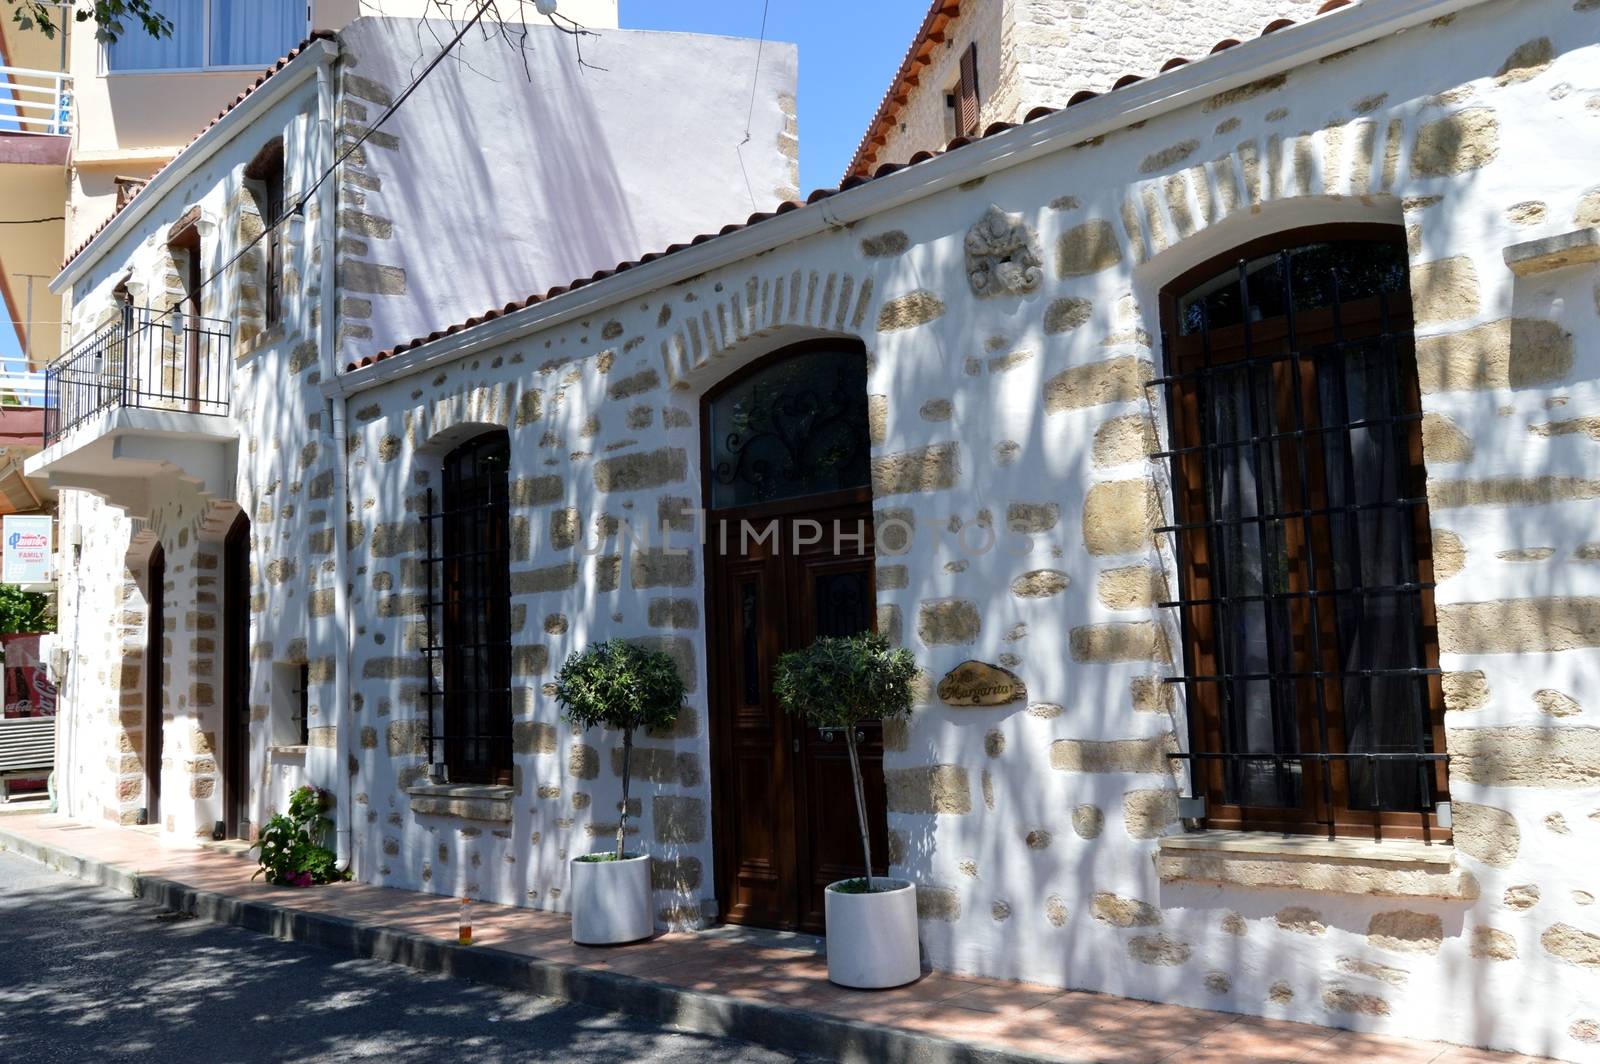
29, 543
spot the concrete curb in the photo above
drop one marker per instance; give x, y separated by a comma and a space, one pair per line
776, 1027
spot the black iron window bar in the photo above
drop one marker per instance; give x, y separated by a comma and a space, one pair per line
1331, 363
149, 359
468, 649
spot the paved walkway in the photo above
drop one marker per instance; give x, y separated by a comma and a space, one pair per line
1018, 1020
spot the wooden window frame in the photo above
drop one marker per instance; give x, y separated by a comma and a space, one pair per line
1184, 356
454, 617
266, 174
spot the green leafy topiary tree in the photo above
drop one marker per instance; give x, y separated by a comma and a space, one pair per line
839, 681
623, 687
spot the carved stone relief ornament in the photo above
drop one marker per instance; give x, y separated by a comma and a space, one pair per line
1002, 255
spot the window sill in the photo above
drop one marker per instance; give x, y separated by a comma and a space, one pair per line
1401, 868
466, 801
287, 751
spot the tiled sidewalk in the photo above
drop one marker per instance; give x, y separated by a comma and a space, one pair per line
1019, 1018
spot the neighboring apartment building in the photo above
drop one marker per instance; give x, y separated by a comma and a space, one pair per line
973, 63
94, 121
1222, 446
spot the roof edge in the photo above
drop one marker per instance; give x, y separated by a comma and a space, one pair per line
1294, 46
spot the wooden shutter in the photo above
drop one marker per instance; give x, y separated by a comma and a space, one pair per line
967, 93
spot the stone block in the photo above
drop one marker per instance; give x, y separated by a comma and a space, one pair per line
1553, 758
1512, 626
1117, 755
1113, 380
551, 578
1117, 641
678, 819
1482, 831
1573, 945
929, 789
583, 762
1087, 249
948, 622
659, 567
1123, 912
407, 738
1444, 290
1456, 143
1148, 813
533, 737
1507, 353
932, 468
1040, 583
1064, 315
1404, 931
645, 469
1158, 950
1118, 516
938, 903
908, 311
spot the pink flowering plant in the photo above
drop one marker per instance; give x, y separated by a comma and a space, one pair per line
292, 853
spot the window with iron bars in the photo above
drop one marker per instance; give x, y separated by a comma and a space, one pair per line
468, 559
1301, 534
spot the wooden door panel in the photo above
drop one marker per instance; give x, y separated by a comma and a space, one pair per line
833, 595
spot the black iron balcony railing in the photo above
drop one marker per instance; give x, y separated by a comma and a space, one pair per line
154, 360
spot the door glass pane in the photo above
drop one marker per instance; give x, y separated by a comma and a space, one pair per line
255, 32
796, 427
1374, 558
843, 602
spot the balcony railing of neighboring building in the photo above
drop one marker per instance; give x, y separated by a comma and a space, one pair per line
149, 360
20, 386
35, 101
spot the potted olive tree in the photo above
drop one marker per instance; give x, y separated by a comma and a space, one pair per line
838, 682
622, 687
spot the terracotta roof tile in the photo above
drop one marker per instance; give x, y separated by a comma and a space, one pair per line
261, 79
850, 181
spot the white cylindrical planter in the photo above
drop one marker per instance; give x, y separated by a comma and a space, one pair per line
611, 901
872, 938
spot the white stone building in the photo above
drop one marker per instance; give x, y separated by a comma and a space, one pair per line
1240, 413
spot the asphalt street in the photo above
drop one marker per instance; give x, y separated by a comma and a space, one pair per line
89, 975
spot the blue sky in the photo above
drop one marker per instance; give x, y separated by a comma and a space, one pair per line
848, 52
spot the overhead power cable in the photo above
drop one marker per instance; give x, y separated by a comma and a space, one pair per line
305, 197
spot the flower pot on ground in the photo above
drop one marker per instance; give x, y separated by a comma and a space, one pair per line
291, 844
610, 899
621, 687
838, 682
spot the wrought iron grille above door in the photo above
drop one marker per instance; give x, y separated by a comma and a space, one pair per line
1302, 537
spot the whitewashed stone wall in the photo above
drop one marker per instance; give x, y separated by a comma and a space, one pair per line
282, 472
1032, 830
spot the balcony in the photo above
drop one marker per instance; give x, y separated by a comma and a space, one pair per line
35, 102
143, 398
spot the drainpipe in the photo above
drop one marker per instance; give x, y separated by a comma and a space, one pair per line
328, 297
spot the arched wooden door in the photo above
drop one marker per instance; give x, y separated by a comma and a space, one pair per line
789, 557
